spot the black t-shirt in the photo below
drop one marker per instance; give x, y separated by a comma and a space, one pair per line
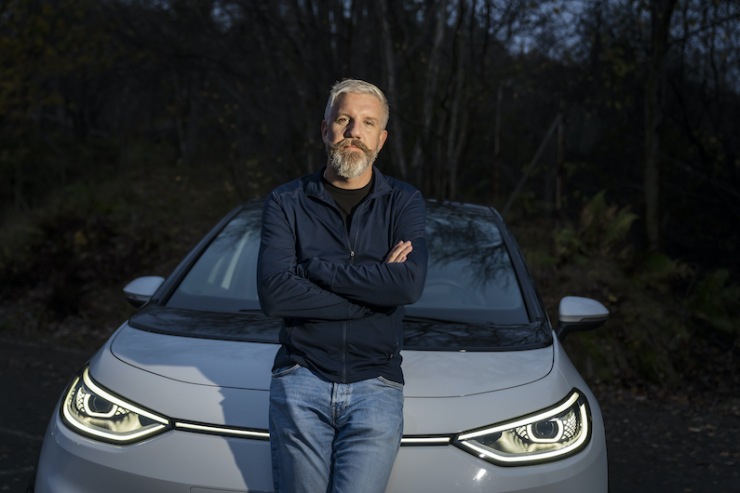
348, 200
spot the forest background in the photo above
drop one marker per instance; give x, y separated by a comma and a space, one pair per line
602, 130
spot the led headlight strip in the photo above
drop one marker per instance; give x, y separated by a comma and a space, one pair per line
541, 456
523, 421
99, 432
466, 440
217, 430
265, 435
425, 440
115, 400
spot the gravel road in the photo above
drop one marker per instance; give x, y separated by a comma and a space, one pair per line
657, 443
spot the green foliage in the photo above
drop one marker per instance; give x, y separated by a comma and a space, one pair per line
717, 302
602, 230
647, 335
7, 326
539, 259
528, 202
658, 270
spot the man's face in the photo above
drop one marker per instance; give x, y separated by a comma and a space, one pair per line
353, 135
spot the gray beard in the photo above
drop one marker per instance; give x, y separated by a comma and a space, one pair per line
348, 163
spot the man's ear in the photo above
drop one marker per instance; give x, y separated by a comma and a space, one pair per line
324, 130
381, 140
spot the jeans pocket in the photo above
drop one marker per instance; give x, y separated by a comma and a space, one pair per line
281, 372
391, 383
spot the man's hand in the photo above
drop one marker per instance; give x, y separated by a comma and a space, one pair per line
399, 252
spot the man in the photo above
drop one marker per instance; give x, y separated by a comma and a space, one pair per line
342, 251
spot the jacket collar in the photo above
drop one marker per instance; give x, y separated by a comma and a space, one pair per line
315, 185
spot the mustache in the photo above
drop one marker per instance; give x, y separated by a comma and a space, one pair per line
348, 142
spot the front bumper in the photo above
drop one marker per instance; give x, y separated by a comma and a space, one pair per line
182, 462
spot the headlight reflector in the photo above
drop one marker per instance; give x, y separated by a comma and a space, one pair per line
95, 412
546, 435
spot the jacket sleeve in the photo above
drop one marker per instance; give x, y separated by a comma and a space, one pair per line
281, 292
384, 284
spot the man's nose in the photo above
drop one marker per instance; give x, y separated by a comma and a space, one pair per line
352, 130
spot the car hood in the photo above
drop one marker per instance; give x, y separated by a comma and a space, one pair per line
247, 365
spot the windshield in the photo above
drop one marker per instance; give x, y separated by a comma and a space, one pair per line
471, 285
470, 275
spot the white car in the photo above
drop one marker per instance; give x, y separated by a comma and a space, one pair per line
177, 399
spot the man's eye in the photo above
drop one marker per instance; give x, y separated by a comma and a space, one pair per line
369, 124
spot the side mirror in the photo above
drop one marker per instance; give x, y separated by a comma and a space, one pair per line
140, 290
578, 314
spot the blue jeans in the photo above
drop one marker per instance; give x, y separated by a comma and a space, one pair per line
333, 437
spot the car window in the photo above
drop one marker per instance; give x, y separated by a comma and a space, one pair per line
224, 279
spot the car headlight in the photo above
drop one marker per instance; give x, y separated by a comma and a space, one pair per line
550, 434
97, 413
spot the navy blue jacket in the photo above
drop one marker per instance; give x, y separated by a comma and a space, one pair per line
341, 303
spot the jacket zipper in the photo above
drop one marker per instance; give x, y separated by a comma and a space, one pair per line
352, 248
344, 325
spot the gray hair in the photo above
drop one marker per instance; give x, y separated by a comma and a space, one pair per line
356, 86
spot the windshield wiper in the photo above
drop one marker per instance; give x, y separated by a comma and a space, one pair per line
429, 320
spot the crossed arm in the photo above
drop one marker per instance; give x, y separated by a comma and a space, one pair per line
329, 291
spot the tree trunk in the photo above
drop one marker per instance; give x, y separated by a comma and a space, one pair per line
389, 72
179, 124
559, 164
661, 12
497, 145
454, 139
18, 185
429, 90
531, 166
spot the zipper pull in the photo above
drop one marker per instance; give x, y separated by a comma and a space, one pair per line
351, 255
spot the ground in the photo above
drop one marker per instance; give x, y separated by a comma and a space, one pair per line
657, 442
660, 443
